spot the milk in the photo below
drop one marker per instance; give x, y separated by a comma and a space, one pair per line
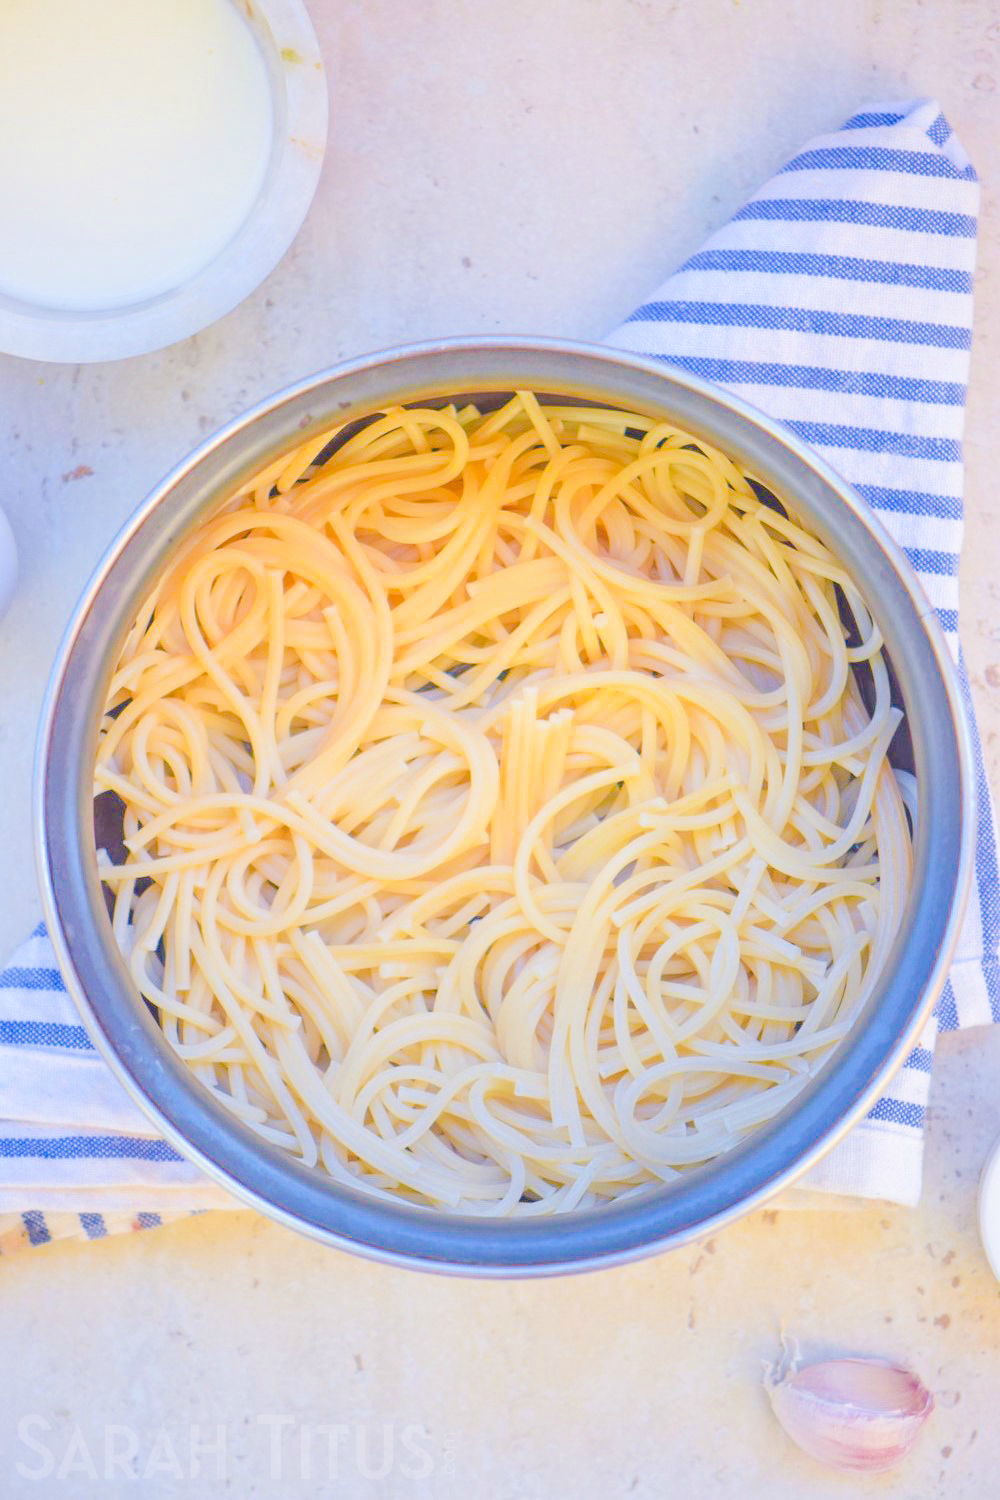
134, 140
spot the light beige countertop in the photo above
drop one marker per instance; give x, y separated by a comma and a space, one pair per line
524, 167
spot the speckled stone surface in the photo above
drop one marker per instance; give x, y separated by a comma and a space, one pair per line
516, 168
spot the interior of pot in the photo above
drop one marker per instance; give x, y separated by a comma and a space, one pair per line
930, 743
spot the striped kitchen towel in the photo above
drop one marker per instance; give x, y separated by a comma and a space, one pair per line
839, 300
77, 1156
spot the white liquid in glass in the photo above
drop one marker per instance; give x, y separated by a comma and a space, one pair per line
134, 140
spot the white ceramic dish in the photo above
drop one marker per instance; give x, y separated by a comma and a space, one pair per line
288, 43
8, 564
989, 1209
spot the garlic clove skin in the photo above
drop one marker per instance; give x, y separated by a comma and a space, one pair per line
862, 1415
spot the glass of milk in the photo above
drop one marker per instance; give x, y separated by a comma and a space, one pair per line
157, 157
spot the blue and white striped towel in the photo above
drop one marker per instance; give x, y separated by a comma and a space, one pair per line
839, 300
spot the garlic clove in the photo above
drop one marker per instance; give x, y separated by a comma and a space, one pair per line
857, 1414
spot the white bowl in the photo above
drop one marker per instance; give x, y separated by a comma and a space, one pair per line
288, 43
8, 564
989, 1209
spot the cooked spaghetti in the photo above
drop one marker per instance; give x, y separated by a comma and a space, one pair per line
506, 829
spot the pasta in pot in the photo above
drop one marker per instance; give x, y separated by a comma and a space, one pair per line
505, 828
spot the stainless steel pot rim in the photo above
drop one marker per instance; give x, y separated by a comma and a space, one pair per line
399, 1233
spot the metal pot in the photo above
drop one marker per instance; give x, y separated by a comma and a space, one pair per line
305, 1199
